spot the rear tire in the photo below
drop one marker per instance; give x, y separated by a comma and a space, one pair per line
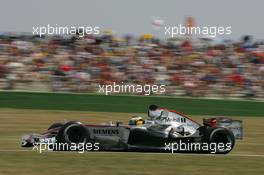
220, 136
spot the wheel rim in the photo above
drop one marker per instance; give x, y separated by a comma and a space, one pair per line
222, 137
74, 134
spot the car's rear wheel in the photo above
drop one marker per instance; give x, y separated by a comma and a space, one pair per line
221, 140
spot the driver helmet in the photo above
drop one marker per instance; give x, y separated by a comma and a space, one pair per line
136, 120
154, 112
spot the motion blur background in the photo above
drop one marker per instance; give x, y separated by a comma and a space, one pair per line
132, 48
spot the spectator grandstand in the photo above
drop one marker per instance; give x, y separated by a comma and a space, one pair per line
188, 67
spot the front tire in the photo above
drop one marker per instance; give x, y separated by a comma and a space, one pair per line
72, 133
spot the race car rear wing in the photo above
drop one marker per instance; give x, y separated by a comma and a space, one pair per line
236, 126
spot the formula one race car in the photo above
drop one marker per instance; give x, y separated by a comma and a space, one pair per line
165, 130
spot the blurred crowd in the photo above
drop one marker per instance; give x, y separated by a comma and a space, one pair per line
197, 67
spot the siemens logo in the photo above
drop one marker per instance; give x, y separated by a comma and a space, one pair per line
106, 131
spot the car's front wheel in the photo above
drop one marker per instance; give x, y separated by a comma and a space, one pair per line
72, 134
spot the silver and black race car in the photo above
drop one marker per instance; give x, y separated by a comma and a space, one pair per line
165, 131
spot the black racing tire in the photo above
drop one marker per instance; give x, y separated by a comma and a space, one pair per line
73, 133
218, 136
55, 125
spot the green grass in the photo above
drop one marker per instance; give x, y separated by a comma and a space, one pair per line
96, 163
89, 102
246, 158
33, 112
